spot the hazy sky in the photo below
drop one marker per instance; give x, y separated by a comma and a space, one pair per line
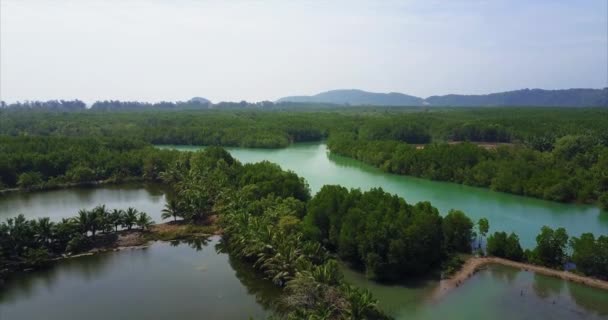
261, 50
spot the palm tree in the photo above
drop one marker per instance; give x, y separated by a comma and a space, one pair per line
129, 218
171, 210
483, 227
144, 221
362, 303
95, 222
116, 218
84, 223
102, 217
64, 231
44, 230
20, 234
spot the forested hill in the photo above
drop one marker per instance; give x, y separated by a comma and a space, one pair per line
527, 97
524, 97
358, 97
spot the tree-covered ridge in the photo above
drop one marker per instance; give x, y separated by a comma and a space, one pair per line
524, 97
527, 97
358, 97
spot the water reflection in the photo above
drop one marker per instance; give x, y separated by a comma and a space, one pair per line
265, 292
22, 285
186, 279
547, 287
197, 243
589, 299
505, 274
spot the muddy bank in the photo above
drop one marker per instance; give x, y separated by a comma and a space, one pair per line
474, 264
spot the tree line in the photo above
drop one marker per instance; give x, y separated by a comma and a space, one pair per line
574, 170
537, 128
48, 162
555, 249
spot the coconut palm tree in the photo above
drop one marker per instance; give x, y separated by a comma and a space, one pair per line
43, 228
129, 218
64, 231
20, 234
102, 218
83, 221
144, 222
362, 303
116, 216
171, 210
94, 218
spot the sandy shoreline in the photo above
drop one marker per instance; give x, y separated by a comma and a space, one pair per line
474, 264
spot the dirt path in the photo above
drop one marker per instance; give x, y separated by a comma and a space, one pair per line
472, 265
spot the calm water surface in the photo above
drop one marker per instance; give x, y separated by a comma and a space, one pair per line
160, 282
64, 203
497, 292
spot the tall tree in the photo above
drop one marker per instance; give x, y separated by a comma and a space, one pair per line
171, 209
129, 218
483, 226
457, 232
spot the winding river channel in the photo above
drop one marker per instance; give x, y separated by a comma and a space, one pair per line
198, 280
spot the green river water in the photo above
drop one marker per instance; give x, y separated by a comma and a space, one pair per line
197, 281
522, 215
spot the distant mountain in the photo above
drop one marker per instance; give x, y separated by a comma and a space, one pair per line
358, 97
524, 97
527, 97
200, 100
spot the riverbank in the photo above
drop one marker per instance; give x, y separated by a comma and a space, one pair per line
56, 186
474, 264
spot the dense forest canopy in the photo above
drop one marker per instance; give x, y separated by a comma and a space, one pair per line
382, 234
47, 162
536, 126
555, 154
